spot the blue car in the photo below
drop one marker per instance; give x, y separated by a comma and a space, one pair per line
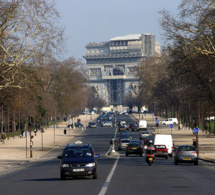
78, 160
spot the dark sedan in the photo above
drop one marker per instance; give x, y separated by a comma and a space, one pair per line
134, 147
78, 160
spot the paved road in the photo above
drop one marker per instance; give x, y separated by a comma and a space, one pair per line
123, 175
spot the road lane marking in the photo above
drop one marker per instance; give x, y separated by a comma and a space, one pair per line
107, 182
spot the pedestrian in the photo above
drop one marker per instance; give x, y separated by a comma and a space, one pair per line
194, 142
3, 137
64, 131
35, 132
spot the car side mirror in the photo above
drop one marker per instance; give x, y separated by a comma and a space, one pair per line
97, 155
59, 157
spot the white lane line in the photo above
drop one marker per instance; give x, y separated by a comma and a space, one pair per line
107, 182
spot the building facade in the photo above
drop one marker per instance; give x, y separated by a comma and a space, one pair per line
111, 65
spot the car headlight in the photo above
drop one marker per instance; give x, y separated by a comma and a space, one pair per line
91, 165
65, 165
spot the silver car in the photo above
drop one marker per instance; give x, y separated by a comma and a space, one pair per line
107, 124
123, 144
144, 134
186, 154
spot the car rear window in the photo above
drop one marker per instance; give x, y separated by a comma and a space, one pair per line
145, 132
160, 147
134, 145
186, 148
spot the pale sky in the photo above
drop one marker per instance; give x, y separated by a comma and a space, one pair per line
89, 21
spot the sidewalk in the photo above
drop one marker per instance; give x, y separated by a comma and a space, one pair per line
14, 149
186, 136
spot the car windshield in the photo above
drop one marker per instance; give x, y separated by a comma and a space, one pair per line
150, 138
77, 152
125, 141
186, 148
145, 132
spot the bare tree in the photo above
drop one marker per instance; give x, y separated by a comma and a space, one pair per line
194, 26
28, 34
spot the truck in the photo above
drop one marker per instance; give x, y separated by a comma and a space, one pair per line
162, 139
142, 125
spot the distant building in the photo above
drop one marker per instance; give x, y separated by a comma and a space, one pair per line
111, 65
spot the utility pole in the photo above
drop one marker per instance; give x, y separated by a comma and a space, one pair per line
31, 142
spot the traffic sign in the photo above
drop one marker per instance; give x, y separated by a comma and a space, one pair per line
152, 113
196, 130
156, 118
171, 125
157, 121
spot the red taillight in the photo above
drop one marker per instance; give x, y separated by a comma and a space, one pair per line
152, 155
128, 148
141, 146
145, 140
194, 152
179, 152
120, 143
172, 148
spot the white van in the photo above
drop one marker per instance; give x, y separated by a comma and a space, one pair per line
161, 139
142, 125
169, 121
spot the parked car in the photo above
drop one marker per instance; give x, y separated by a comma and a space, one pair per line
123, 143
134, 148
70, 125
186, 154
169, 121
161, 151
144, 134
78, 125
92, 124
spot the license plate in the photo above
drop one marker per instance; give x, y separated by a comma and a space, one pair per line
187, 158
78, 170
159, 152
134, 148
150, 158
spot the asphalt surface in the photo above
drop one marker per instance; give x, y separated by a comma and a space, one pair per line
122, 175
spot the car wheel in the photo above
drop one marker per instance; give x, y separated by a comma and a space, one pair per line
164, 123
166, 157
119, 149
126, 154
196, 163
62, 176
175, 162
141, 155
95, 176
174, 123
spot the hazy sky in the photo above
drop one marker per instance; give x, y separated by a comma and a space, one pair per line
100, 20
